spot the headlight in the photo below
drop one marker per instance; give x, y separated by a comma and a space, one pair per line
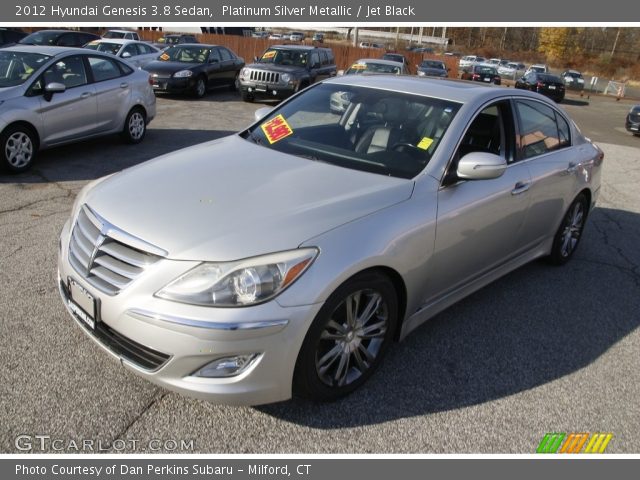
236, 284
420, 73
244, 73
183, 74
285, 77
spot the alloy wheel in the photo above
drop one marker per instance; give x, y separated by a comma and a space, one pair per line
18, 149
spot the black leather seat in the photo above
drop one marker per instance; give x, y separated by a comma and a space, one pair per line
382, 137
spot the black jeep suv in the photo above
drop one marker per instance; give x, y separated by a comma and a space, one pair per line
282, 70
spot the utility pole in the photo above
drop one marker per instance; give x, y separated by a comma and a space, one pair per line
615, 43
355, 37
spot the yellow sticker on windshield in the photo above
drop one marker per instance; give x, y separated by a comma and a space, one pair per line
425, 143
165, 56
276, 129
269, 54
359, 66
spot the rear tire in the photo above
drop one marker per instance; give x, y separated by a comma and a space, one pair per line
19, 146
570, 231
348, 338
135, 126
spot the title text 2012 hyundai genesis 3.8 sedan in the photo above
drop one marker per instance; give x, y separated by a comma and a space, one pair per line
284, 260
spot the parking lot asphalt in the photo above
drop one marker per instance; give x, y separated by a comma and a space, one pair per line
544, 349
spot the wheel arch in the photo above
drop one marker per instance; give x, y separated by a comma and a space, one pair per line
29, 126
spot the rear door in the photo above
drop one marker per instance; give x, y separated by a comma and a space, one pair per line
480, 222
113, 91
545, 144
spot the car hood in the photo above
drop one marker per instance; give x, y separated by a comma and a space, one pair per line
168, 67
276, 68
231, 199
10, 92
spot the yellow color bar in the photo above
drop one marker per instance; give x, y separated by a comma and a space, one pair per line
605, 443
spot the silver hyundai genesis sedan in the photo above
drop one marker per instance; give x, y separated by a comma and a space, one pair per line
285, 259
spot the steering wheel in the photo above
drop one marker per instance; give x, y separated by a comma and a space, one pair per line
399, 147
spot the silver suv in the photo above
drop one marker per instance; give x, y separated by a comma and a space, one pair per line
56, 95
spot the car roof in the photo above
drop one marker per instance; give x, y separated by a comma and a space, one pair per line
41, 49
298, 47
121, 31
200, 45
454, 90
120, 41
381, 61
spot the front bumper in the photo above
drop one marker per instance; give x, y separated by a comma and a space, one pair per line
174, 85
167, 342
279, 91
632, 126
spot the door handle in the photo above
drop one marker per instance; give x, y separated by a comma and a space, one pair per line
520, 187
85, 95
572, 167
124, 85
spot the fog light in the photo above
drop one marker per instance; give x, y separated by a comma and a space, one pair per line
227, 366
249, 89
274, 93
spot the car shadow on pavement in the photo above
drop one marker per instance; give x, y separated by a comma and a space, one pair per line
93, 159
533, 326
574, 102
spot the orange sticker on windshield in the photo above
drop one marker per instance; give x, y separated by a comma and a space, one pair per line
269, 54
425, 143
164, 56
276, 129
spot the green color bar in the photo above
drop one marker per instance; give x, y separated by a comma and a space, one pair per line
550, 443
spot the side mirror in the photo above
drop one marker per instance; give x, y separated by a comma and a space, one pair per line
51, 88
340, 72
481, 166
126, 55
261, 113
255, 59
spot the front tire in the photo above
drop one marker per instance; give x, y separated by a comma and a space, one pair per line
200, 88
135, 126
570, 231
348, 338
19, 147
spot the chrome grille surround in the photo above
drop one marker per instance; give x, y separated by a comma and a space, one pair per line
105, 256
264, 76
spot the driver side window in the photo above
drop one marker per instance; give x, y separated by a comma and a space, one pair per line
490, 132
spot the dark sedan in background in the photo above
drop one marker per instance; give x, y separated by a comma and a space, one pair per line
550, 86
481, 73
433, 68
633, 120
194, 68
59, 38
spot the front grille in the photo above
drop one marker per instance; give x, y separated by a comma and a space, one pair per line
124, 347
264, 76
106, 263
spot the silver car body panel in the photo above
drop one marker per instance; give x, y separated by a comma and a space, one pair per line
232, 199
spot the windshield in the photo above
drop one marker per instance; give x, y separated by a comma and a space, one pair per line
486, 70
185, 54
372, 67
432, 64
114, 34
41, 38
107, 47
388, 133
18, 67
284, 57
